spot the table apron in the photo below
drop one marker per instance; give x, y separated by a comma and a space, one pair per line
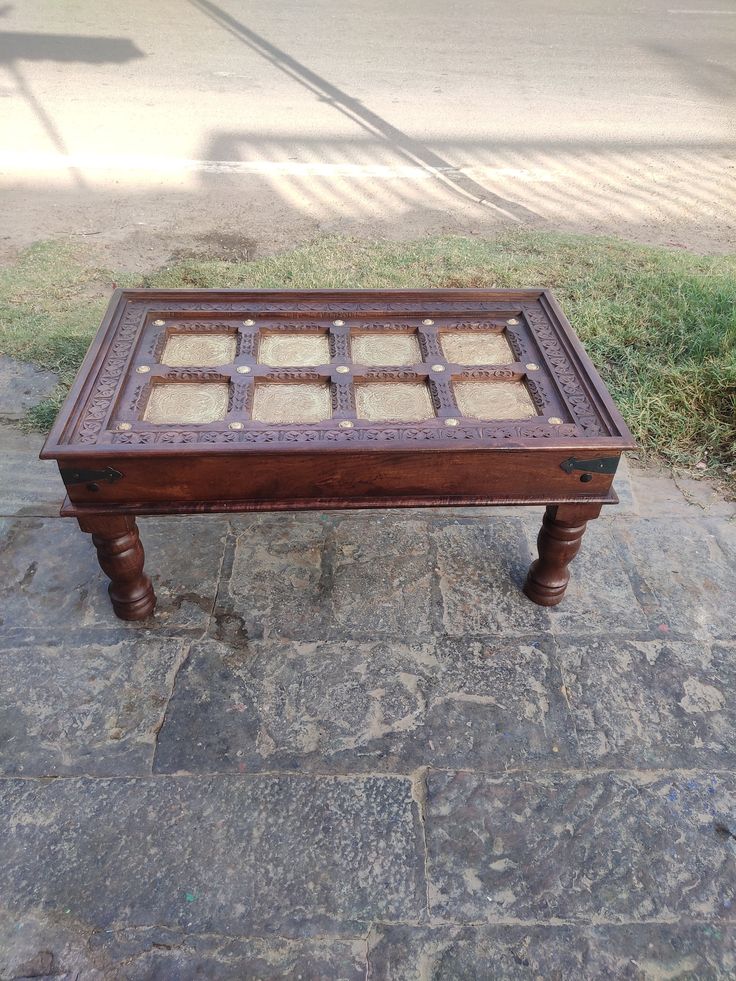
358, 479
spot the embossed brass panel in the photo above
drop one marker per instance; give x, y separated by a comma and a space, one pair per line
478, 347
494, 400
180, 403
299, 403
393, 401
293, 350
199, 350
388, 350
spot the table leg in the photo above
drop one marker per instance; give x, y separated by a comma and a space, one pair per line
120, 555
558, 543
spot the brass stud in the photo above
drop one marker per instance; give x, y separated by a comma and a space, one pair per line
159, 323
343, 369
125, 426
532, 367
243, 369
438, 367
235, 425
338, 323
451, 422
142, 369
428, 322
248, 323
554, 421
345, 424
512, 322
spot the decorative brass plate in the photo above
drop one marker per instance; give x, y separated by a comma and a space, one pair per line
494, 400
180, 403
478, 347
199, 350
302, 402
393, 401
388, 350
293, 350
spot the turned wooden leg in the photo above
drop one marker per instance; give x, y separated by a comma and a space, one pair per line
120, 554
558, 544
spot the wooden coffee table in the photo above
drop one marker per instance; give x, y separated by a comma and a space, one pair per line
194, 401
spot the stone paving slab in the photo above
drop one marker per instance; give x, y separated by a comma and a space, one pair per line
623, 486
316, 576
658, 494
75, 707
481, 567
382, 578
652, 703
274, 586
231, 855
347, 577
724, 532
683, 573
28, 486
600, 598
651, 951
682, 950
53, 583
349, 706
608, 846
37, 944
158, 955
164, 955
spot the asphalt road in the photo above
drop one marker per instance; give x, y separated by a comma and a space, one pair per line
146, 127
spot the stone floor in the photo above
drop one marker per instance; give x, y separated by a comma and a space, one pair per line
346, 746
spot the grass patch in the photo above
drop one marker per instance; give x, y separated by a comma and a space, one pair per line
659, 325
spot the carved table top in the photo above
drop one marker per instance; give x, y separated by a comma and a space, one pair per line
220, 370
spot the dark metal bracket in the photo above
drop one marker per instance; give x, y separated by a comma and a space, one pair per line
71, 475
605, 464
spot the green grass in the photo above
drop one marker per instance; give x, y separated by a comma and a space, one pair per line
660, 325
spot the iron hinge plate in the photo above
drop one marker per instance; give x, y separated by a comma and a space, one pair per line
74, 475
605, 464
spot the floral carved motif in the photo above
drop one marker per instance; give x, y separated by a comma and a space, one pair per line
240, 398
342, 398
538, 396
439, 392
487, 373
507, 431
276, 326
201, 326
339, 346
429, 345
382, 326
247, 344
517, 344
193, 375
548, 339
110, 374
252, 308
138, 398
293, 375
391, 374
477, 325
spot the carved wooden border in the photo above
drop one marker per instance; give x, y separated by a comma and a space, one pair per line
563, 373
542, 328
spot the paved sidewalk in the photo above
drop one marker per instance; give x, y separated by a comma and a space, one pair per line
346, 746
